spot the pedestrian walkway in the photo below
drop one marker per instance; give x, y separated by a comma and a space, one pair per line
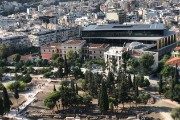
30, 97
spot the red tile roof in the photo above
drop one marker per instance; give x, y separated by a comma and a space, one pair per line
25, 57
174, 61
46, 56
74, 41
177, 48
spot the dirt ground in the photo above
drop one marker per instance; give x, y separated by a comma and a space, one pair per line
14, 101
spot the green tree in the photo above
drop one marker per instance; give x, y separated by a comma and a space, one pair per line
175, 113
54, 56
59, 72
129, 82
176, 75
70, 54
5, 51
110, 82
146, 61
160, 85
125, 57
134, 65
1, 107
66, 68
54, 89
77, 89
103, 98
111, 106
16, 95
122, 90
47, 74
77, 72
6, 102
49, 103
167, 71
17, 57
27, 78
176, 93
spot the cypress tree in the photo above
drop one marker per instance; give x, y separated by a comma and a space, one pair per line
103, 99
77, 89
122, 90
176, 75
6, 101
129, 82
134, 82
1, 107
160, 84
172, 88
73, 87
54, 88
136, 88
66, 70
16, 95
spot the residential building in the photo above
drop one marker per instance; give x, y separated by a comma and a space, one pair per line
51, 48
39, 37
74, 45
176, 52
114, 53
135, 49
93, 51
158, 36
17, 40
48, 19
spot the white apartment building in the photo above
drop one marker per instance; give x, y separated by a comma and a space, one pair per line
135, 49
74, 45
116, 53
41, 37
16, 40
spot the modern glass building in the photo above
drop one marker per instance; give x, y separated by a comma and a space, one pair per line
117, 34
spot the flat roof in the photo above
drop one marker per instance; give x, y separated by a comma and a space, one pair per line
127, 38
125, 27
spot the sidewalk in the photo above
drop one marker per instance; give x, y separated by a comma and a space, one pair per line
30, 97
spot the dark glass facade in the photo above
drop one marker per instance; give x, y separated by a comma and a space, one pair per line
123, 33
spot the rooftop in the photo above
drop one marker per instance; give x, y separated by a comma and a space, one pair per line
92, 45
53, 44
46, 56
74, 42
174, 61
177, 48
125, 27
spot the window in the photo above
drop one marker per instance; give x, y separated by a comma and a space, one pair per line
75, 47
49, 50
53, 51
44, 50
64, 47
94, 57
94, 52
65, 52
100, 52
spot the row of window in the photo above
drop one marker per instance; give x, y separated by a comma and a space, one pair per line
137, 33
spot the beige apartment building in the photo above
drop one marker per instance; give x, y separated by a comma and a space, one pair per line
74, 45
94, 51
51, 48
